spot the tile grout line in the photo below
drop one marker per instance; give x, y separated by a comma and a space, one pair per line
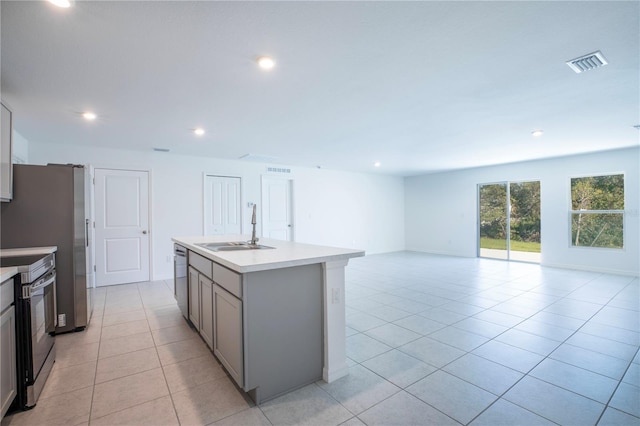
95, 375
513, 327
547, 357
164, 376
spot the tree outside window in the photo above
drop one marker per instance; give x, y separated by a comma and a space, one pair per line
597, 211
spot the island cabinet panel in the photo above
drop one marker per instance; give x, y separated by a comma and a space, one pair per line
206, 309
227, 336
283, 332
201, 263
227, 279
194, 297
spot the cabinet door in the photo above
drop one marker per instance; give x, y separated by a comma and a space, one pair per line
6, 147
227, 333
206, 310
194, 297
7, 358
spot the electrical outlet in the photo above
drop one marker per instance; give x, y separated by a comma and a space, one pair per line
335, 296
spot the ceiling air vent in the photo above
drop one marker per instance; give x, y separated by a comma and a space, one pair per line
278, 170
587, 62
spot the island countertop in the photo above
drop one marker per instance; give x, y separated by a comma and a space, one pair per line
283, 255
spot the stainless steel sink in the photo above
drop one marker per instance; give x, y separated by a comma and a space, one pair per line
232, 246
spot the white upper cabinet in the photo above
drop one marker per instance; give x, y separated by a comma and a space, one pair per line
6, 140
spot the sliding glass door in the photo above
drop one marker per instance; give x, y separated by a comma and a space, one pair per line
509, 221
493, 221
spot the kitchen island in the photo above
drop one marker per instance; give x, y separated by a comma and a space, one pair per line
274, 317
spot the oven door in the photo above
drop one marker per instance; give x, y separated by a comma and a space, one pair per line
43, 320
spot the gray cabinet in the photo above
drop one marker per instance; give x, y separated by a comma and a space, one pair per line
6, 152
8, 384
201, 296
216, 311
227, 335
194, 297
206, 309
260, 324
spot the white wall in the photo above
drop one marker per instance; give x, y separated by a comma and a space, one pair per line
20, 149
342, 209
441, 209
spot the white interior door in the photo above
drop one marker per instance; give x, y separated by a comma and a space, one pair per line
277, 216
122, 226
222, 205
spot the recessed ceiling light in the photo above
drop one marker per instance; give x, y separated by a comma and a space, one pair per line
376, 164
266, 63
199, 131
537, 133
89, 115
61, 3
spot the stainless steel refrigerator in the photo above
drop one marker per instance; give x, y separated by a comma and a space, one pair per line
50, 208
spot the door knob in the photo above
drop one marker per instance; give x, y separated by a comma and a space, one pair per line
144, 232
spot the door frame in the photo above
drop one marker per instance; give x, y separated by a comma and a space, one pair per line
149, 210
92, 225
291, 182
204, 196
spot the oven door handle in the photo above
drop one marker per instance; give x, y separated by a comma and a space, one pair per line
43, 282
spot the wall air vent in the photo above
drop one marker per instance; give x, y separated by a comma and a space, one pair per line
278, 170
587, 62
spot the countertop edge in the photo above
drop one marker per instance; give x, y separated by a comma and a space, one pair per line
28, 251
8, 272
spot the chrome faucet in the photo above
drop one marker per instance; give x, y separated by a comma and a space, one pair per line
254, 239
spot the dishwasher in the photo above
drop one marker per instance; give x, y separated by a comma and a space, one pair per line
180, 284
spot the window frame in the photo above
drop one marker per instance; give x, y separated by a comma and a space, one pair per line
573, 212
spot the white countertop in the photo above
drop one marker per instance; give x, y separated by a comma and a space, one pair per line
285, 254
28, 251
7, 272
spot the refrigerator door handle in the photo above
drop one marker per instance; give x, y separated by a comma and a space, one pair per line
86, 232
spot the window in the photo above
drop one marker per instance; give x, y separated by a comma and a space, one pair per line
597, 211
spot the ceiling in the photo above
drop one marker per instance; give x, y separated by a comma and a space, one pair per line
418, 86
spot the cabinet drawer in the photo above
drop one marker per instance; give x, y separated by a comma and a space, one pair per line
201, 263
228, 280
6, 294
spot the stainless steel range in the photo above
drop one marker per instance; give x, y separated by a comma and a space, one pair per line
35, 302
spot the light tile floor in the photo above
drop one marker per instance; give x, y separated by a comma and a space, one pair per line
431, 340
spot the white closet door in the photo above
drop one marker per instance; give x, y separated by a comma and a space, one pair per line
222, 205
